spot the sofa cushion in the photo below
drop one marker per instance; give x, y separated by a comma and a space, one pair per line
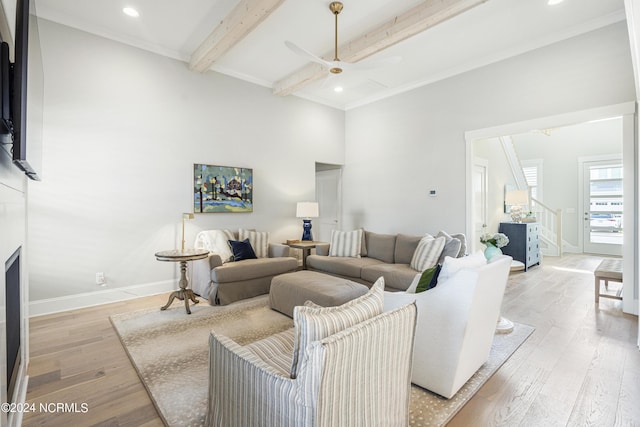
396, 276
428, 279
452, 265
346, 243
452, 247
252, 269
242, 250
363, 245
405, 247
427, 253
381, 246
259, 241
275, 350
315, 323
342, 266
462, 251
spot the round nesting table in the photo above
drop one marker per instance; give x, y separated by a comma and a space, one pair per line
182, 256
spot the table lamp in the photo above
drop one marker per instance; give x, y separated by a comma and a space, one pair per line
186, 215
516, 198
307, 210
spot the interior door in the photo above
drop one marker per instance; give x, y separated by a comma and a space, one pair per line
328, 191
603, 222
479, 200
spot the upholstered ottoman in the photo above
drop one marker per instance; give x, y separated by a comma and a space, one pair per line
291, 289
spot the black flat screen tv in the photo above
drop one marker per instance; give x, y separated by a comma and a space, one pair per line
21, 94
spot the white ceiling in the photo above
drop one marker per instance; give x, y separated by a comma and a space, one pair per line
492, 31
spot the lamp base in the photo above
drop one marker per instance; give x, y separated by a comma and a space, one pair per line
306, 230
517, 213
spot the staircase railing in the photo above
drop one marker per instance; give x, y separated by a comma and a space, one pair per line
551, 223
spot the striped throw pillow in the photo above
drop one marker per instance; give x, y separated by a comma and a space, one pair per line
428, 252
346, 243
259, 241
315, 323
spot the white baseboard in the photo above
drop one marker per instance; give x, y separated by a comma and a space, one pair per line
99, 297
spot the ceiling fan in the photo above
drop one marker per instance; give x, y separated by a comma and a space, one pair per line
337, 66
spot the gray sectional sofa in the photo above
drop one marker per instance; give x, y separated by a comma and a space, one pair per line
386, 255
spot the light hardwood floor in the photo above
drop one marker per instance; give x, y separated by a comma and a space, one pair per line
581, 366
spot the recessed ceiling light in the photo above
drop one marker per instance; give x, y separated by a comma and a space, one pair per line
338, 89
129, 11
554, 2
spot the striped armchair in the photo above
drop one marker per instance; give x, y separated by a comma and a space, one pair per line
359, 376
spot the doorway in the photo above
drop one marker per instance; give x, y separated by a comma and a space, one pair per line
602, 195
328, 196
625, 112
480, 172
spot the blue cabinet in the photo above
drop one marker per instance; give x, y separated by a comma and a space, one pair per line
524, 242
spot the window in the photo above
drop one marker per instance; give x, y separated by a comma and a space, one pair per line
532, 170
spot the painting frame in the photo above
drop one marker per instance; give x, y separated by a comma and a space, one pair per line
222, 189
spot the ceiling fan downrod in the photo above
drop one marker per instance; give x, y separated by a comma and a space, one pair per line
336, 8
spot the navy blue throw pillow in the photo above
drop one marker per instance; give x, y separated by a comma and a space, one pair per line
242, 250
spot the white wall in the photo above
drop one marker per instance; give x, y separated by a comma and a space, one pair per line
122, 130
400, 148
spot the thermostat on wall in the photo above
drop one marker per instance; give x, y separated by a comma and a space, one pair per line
432, 193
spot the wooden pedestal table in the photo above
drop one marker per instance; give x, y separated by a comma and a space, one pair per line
182, 256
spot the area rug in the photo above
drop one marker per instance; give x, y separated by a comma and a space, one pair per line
169, 349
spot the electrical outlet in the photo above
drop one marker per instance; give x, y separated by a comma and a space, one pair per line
100, 279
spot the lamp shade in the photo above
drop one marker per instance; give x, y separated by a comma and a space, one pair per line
307, 210
516, 197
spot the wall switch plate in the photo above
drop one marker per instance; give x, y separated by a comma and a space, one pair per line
100, 279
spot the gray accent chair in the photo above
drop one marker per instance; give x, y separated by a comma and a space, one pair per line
224, 283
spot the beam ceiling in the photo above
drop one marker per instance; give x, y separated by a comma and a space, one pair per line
243, 19
422, 17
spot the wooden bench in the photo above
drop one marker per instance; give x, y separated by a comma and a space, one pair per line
609, 270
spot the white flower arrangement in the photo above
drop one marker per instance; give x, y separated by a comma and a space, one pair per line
498, 240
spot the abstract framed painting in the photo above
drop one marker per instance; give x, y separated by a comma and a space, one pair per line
222, 189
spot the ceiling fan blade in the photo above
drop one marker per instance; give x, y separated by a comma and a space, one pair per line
305, 53
376, 63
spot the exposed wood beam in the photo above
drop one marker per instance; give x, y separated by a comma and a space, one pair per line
243, 19
422, 17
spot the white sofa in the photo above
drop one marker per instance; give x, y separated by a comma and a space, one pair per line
455, 325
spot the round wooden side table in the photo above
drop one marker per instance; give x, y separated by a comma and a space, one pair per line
182, 256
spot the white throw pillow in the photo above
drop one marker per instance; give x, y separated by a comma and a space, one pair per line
346, 243
216, 242
451, 266
259, 241
427, 253
315, 323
